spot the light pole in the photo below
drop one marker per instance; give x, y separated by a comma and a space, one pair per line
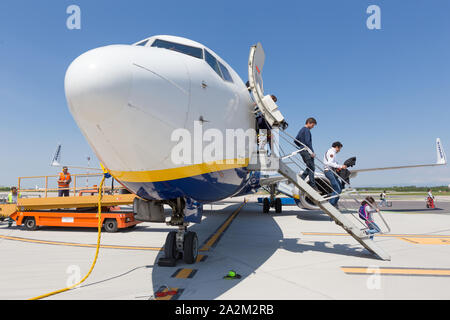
88, 165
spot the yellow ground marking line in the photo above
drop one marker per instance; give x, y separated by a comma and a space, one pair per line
426, 240
184, 273
380, 235
397, 271
208, 245
72, 244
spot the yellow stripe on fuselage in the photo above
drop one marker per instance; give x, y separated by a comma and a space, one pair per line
180, 172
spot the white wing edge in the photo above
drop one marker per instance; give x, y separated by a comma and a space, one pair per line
441, 161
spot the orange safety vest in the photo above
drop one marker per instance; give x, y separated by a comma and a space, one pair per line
65, 178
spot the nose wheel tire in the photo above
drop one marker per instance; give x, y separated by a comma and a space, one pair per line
190, 248
278, 205
170, 248
266, 205
110, 225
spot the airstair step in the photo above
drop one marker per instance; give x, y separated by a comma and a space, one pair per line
340, 219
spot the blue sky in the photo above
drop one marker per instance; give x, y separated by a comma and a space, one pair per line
383, 93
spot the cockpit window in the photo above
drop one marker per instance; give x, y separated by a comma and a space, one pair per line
226, 74
212, 62
191, 51
143, 43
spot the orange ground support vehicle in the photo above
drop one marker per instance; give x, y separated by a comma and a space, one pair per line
112, 221
74, 211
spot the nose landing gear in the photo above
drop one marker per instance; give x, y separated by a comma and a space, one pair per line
181, 244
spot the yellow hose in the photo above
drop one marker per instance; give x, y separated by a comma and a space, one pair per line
96, 252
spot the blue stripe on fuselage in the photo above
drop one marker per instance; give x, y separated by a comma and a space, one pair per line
203, 188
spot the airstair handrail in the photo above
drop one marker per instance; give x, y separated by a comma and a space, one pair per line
348, 191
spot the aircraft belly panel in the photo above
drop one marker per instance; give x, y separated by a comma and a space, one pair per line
208, 187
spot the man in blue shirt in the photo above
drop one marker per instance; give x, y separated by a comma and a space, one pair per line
304, 139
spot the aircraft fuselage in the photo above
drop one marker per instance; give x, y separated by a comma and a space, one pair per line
129, 99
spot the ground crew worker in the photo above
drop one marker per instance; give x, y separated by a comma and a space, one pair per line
12, 198
63, 183
304, 139
383, 199
331, 166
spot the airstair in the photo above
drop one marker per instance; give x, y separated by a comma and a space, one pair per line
282, 162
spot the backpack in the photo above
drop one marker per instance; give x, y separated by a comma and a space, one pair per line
362, 213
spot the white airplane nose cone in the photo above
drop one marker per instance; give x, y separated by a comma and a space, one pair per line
98, 84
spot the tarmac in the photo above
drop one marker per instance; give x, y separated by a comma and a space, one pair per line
298, 254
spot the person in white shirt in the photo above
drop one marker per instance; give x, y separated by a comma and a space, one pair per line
331, 165
383, 201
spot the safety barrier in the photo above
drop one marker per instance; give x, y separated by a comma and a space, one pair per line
74, 190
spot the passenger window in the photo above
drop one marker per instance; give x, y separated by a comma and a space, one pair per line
226, 74
212, 62
191, 51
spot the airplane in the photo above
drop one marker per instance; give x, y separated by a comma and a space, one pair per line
128, 100
56, 161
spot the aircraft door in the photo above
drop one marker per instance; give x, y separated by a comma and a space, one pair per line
256, 65
266, 105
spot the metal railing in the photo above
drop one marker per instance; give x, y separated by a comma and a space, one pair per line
289, 153
74, 189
